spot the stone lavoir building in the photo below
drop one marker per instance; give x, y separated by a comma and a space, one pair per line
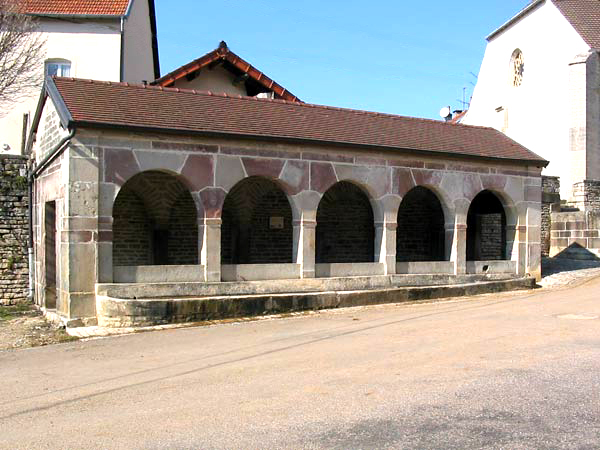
166, 193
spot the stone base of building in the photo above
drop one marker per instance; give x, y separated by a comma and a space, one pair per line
136, 305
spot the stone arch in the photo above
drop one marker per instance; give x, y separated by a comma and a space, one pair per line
155, 222
257, 223
486, 228
420, 235
345, 226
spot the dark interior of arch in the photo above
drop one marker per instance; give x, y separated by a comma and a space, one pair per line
154, 222
257, 224
486, 228
345, 230
420, 233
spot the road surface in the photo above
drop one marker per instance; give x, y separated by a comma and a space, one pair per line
518, 370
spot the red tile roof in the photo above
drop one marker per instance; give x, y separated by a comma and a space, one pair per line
77, 7
584, 16
223, 53
97, 103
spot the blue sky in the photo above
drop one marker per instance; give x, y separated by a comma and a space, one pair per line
399, 57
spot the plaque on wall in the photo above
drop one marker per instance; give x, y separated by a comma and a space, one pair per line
276, 223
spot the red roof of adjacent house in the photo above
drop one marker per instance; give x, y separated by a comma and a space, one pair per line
105, 104
584, 16
77, 7
224, 54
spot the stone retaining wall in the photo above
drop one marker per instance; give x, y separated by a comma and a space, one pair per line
14, 272
550, 201
586, 195
576, 235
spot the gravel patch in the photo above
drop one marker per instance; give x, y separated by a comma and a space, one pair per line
24, 326
558, 272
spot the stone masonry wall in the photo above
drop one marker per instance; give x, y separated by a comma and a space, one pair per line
586, 195
550, 201
576, 235
14, 272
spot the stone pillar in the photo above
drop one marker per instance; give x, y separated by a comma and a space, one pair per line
533, 237
304, 246
211, 249
516, 246
105, 250
385, 245
459, 249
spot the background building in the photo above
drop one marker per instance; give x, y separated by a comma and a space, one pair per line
112, 40
538, 84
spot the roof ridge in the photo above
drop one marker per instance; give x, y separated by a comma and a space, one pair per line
266, 100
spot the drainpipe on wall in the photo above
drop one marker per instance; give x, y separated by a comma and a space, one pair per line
33, 174
122, 60
30, 240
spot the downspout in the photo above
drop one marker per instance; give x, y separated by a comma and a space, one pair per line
33, 174
122, 57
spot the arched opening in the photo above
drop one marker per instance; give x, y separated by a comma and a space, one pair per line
345, 230
154, 222
257, 224
420, 233
486, 228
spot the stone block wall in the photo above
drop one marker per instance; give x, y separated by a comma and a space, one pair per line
14, 229
550, 202
586, 195
576, 235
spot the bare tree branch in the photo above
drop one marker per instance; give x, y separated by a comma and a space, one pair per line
21, 54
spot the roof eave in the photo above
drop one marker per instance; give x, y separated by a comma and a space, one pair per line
528, 9
78, 16
221, 134
66, 119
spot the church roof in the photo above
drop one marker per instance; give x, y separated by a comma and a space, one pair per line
231, 62
77, 7
584, 16
99, 104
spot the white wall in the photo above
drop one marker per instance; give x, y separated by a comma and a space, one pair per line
94, 50
139, 58
538, 110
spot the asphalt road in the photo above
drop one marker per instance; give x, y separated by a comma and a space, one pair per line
505, 371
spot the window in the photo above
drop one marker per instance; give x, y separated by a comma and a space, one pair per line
58, 67
516, 69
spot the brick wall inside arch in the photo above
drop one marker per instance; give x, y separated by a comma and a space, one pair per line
250, 232
154, 222
486, 228
345, 229
420, 232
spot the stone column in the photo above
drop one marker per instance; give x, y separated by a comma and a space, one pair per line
304, 246
385, 245
459, 249
105, 249
519, 247
533, 237
211, 249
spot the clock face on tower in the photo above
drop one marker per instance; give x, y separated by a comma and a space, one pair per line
517, 68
